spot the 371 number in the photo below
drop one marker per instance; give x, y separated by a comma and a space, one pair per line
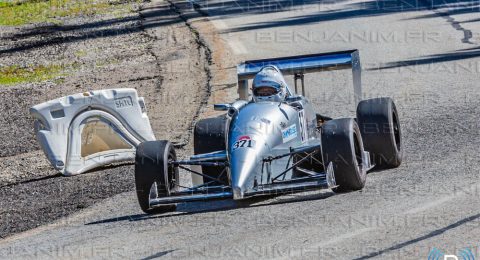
242, 144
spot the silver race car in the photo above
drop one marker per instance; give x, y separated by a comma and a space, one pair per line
275, 142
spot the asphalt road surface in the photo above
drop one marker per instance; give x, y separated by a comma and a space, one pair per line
423, 54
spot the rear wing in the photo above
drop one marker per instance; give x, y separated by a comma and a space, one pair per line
300, 65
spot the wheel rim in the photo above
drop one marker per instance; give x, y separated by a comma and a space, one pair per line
396, 131
171, 179
172, 172
358, 152
153, 191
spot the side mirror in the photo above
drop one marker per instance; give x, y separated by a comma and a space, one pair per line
221, 107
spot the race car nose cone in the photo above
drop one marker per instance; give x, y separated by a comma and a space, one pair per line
243, 167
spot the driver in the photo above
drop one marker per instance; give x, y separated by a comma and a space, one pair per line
269, 85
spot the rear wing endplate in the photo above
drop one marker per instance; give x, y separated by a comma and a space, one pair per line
299, 65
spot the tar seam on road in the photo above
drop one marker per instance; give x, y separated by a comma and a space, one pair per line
467, 34
158, 255
202, 45
159, 77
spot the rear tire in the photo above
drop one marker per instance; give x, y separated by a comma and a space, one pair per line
209, 136
380, 128
152, 168
342, 145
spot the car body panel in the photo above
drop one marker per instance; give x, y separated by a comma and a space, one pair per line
88, 130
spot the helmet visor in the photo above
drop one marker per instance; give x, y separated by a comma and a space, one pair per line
265, 91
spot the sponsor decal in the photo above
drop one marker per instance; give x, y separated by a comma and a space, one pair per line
289, 133
243, 142
123, 102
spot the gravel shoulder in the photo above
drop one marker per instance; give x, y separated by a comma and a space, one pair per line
149, 49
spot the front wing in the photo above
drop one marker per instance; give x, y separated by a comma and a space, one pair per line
313, 181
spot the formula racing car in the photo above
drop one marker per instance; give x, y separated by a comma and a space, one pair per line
274, 142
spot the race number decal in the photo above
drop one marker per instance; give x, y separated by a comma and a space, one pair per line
303, 125
243, 142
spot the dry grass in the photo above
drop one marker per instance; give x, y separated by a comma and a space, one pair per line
11, 75
18, 12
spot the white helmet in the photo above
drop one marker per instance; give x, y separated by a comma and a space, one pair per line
269, 85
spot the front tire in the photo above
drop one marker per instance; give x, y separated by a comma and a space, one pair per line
343, 146
154, 176
380, 128
209, 136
